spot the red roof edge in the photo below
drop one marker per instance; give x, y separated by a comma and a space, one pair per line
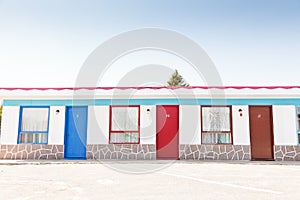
152, 87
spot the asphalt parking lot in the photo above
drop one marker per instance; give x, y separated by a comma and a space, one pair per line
149, 180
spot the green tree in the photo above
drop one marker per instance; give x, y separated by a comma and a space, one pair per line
177, 80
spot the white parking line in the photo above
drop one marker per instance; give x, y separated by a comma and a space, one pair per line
223, 184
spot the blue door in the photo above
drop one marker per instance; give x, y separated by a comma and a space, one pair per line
75, 132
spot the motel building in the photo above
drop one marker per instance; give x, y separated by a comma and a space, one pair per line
151, 123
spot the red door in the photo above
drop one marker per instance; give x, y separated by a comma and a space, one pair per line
261, 132
167, 137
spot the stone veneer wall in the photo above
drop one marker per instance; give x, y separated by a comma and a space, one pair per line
121, 151
145, 152
32, 151
287, 153
214, 152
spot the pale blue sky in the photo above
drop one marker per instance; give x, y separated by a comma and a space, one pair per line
43, 43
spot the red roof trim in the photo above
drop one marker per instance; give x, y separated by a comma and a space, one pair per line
155, 88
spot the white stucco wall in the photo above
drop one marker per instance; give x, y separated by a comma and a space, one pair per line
284, 123
10, 124
147, 125
240, 125
189, 124
98, 125
57, 125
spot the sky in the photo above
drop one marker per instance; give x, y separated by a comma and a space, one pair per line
44, 43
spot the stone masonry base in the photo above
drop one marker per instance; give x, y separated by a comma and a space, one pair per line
144, 152
287, 153
31, 151
121, 151
214, 152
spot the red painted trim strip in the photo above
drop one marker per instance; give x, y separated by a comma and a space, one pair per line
153, 88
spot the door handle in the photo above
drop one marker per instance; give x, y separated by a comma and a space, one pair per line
167, 116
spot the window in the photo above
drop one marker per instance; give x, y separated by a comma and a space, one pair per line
34, 125
0, 118
216, 125
298, 120
124, 124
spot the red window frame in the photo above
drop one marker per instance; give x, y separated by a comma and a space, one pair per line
123, 131
224, 132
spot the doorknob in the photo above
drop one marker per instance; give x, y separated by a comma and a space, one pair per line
167, 116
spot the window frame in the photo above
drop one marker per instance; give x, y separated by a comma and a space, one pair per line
32, 132
123, 131
298, 123
220, 132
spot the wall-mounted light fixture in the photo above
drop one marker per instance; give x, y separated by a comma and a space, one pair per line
241, 112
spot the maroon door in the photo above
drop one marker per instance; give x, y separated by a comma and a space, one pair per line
167, 137
261, 132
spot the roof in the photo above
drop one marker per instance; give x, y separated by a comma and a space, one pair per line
149, 87
151, 92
